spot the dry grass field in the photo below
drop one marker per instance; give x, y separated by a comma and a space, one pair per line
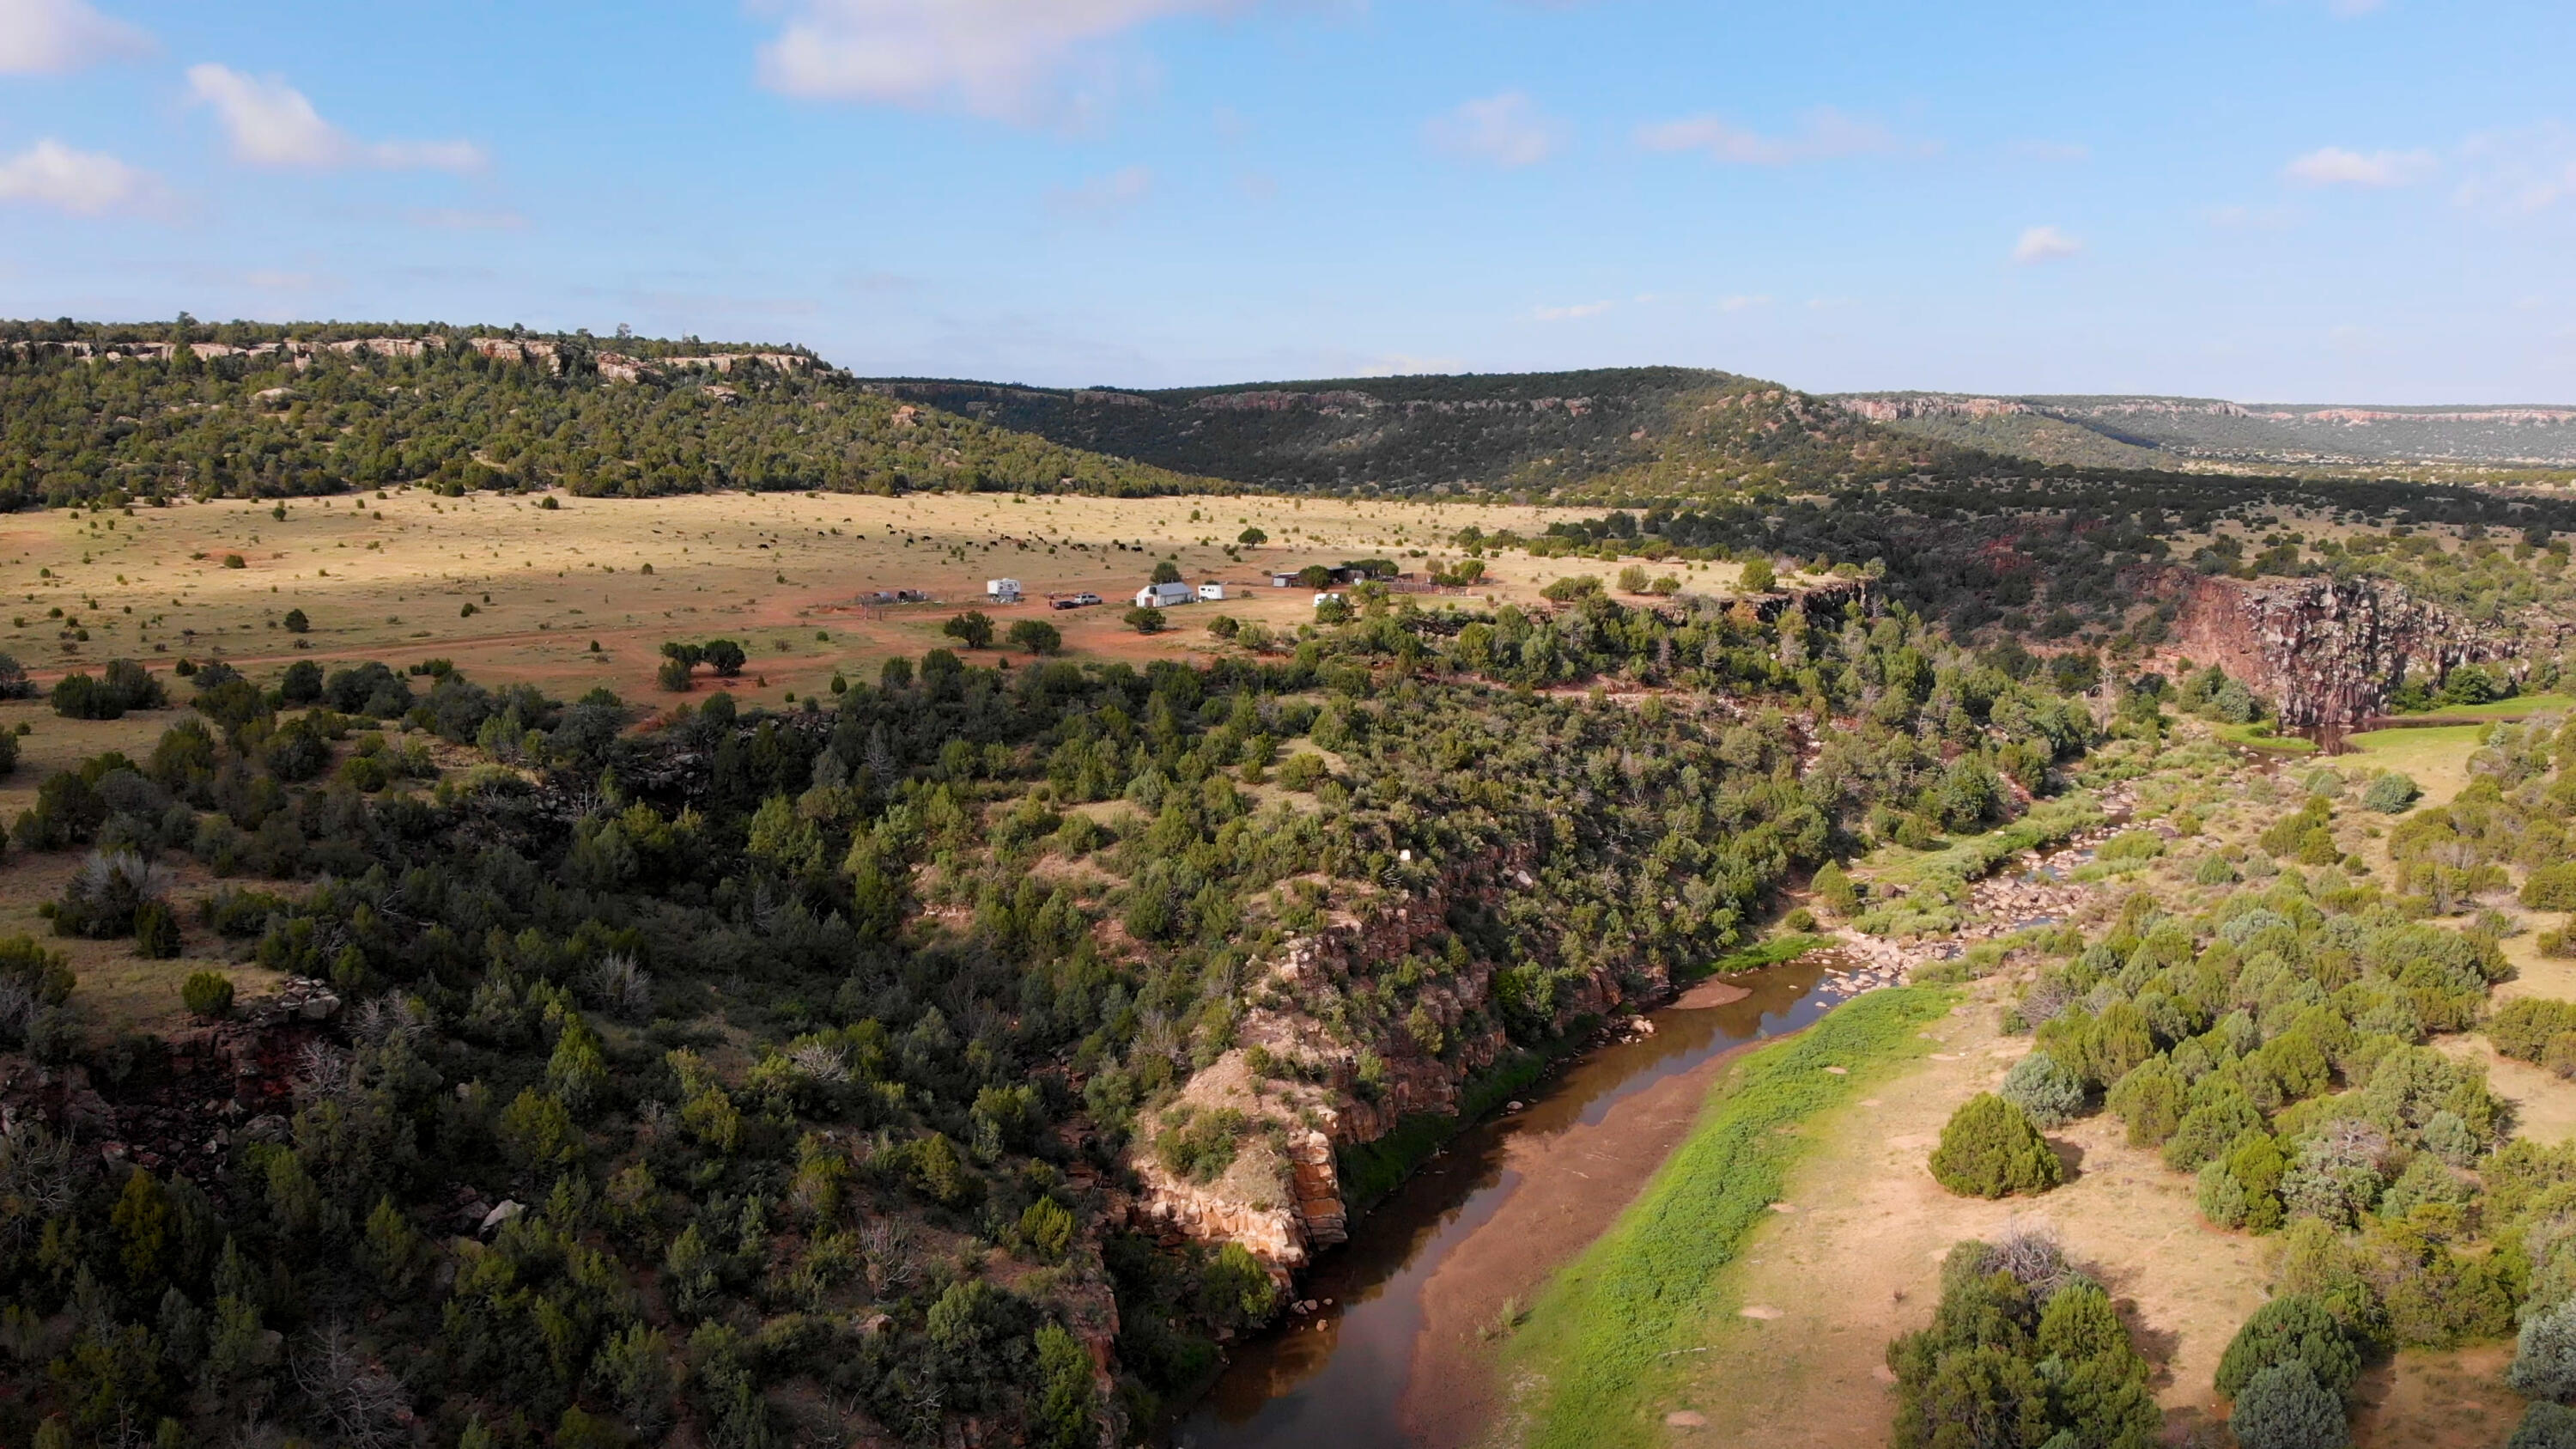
390, 576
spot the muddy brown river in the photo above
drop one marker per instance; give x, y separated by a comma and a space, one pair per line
1396, 1355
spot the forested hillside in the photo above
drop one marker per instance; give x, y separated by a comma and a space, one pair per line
761, 1078
1624, 432
2150, 432
243, 410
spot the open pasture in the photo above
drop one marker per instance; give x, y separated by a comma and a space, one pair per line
584, 592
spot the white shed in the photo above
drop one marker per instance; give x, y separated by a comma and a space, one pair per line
1162, 596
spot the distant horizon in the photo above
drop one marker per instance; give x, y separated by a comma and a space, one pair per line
797, 344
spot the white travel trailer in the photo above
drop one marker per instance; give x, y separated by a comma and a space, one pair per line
1002, 591
1211, 593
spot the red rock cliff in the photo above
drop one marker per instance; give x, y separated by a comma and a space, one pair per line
2326, 651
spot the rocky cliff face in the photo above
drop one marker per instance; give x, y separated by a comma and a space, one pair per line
2325, 651
1282, 1199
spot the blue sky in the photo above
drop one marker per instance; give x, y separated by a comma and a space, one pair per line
2274, 200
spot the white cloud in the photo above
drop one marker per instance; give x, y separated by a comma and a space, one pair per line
272, 124
1005, 59
1823, 134
85, 183
48, 37
2336, 166
1573, 313
2045, 244
1742, 300
1116, 191
1506, 130
2517, 173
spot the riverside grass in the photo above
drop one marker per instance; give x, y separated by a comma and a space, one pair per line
1604, 1331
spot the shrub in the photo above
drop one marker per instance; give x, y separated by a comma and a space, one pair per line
1037, 636
974, 629
2149, 1099
1144, 620
2044, 1090
302, 683
2522, 1028
1167, 572
14, 683
1200, 1146
2544, 1355
1758, 577
1567, 590
2391, 793
208, 994
156, 931
1252, 538
2290, 1328
296, 622
2545, 1426
235, 561
1990, 1149
2551, 888
1834, 886
673, 676
77, 696
2284, 1407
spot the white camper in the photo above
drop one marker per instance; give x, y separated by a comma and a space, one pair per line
1002, 591
1211, 593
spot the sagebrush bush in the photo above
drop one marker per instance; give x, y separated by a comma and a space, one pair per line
2391, 793
2545, 1426
1990, 1149
2544, 1355
2044, 1090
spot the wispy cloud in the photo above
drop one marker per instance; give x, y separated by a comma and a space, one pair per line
1574, 312
270, 123
1097, 195
2336, 166
2517, 172
1026, 61
49, 37
2045, 244
1743, 301
449, 218
1505, 130
1400, 364
1823, 134
84, 183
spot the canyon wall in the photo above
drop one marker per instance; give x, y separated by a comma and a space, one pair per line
2327, 651
1282, 1198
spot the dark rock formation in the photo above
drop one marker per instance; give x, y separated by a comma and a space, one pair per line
2325, 651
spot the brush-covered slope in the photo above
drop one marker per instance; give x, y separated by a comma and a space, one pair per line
242, 409
1665, 431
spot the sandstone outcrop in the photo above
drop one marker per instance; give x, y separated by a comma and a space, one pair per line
2326, 651
1282, 1198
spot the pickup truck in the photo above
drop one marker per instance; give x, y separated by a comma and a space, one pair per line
1075, 601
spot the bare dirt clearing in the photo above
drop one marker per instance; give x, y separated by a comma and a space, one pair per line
1859, 1261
